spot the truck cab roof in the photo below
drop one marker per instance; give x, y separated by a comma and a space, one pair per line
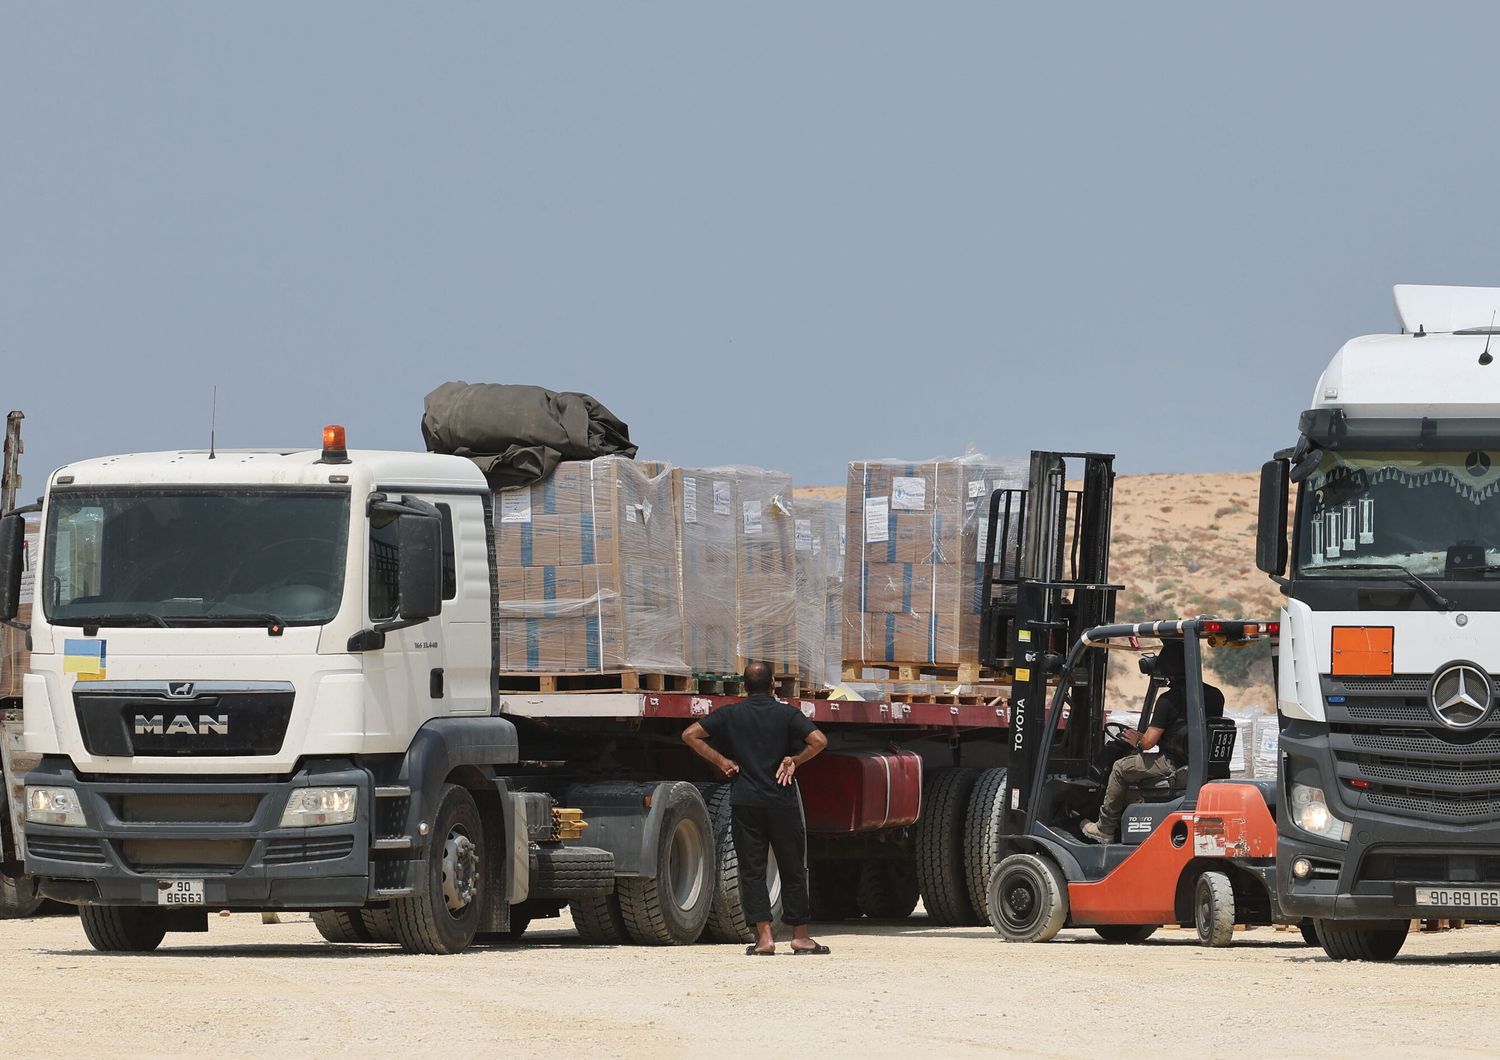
366, 468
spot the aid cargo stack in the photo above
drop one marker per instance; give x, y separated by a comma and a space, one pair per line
819, 534
914, 565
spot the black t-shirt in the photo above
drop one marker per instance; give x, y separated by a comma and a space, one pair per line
757, 733
1170, 715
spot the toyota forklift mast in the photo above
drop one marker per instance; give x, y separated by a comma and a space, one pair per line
1046, 581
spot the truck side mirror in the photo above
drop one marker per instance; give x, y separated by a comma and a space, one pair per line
1271, 527
421, 575
12, 563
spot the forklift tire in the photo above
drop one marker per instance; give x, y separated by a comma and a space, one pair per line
940, 847
672, 908
1362, 940
726, 919
341, 926
887, 890
598, 919
982, 837
1213, 909
123, 929
1028, 899
19, 897
1126, 933
833, 890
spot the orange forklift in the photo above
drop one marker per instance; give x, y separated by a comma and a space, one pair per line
1194, 848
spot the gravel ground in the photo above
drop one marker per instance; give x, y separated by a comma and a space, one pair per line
888, 989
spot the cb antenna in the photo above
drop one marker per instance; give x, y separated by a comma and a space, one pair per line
213, 421
1485, 358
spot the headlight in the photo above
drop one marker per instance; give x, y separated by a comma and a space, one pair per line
54, 806
313, 806
1310, 809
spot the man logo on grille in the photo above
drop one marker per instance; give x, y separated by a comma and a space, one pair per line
1460, 695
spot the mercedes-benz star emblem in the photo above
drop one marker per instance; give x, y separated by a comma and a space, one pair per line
1460, 695
1477, 462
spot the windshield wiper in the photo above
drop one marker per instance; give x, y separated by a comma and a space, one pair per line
237, 618
1438, 599
122, 618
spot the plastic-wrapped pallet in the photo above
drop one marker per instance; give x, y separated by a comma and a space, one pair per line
1242, 758
14, 657
765, 595
586, 565
914, 563
704, 504
820, 572
1267, 745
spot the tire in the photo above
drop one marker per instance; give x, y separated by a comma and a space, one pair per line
1362, 940
833, 890
443, 916
1028, 899
1123, 934
572, 872
726, 917
941, 876
19, 897
887, 890
341, 926
598, 919
1309, 933
379, 925
1213, 909
982, 838
672, 909
123, 929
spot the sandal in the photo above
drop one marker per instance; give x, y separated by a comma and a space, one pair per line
751, 951
817, 950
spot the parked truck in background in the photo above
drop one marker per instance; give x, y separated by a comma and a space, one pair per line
267, 680
1390, 634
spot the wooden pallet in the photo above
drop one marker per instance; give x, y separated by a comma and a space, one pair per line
910, 672
596, 681
952, 699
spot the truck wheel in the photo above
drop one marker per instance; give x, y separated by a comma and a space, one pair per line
887, 890
1028, 899
672, 909
123, 929
341, 926
982, 837
940, 846
379, 925
443, 916
726, 917
833, 890
19, 897
598, 919
1213, 909
572, 872
1362, 940
1126, 933
1309, 932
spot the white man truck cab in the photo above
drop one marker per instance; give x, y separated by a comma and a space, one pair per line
266, 680
1390, 634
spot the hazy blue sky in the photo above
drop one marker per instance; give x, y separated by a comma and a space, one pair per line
790, 234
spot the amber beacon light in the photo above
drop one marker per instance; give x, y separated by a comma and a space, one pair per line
335, 449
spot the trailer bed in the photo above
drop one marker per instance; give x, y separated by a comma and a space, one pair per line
833, 712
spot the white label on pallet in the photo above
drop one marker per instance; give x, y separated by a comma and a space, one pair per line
689, 499
841, 540
908, 494
752, 517
515, 505
976, 489
877, 519
721, 496
804, 535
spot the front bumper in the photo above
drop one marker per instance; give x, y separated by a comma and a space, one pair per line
226, 832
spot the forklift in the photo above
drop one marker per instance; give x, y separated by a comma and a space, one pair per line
1195, 848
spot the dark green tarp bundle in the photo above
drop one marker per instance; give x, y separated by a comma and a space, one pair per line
519, 434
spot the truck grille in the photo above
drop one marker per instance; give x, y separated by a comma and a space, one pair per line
61, 848
1384, 736
180, 855
183, 718
1388, 866
292, 851
184, 809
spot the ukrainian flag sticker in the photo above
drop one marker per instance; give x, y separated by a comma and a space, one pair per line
84, 658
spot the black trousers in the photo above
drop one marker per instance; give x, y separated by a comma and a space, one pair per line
783, 831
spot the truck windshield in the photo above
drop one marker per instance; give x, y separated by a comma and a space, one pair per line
1396, 514
194, 557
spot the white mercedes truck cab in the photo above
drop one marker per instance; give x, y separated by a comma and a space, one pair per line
1390, 634
265, 680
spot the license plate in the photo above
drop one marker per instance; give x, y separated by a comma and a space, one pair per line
179, 892
1459, 897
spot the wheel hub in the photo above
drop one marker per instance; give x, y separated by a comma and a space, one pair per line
460, 871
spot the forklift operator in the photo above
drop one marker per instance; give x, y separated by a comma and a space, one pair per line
1166, 734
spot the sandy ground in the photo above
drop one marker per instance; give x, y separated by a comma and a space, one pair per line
889, 989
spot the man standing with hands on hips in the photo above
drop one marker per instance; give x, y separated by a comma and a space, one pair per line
758, 743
